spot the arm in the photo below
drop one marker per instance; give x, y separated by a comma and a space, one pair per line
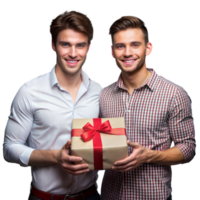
181, 130
18, 128
171, 156
43, 157
70, 164
181, 126
17, 131
141, 155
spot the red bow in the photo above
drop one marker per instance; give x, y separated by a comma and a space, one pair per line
90, 130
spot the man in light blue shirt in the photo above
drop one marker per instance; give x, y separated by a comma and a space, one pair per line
42, 111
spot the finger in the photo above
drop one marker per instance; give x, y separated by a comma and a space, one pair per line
77, 162
69, 159
67, 146
132, 144
117, 168
76, 169
123, 162
74, 159
128, 166
73, 167
77, 172
124, 170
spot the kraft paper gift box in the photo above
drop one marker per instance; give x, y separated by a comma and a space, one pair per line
100, 142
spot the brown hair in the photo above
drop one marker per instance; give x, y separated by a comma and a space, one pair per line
71, 20
129, 22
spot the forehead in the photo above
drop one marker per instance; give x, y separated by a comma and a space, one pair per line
129, 35
71, 36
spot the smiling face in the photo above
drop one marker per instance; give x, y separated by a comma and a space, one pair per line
129, 50
71, 49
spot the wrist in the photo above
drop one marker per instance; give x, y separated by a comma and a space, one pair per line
43, 157
152, 155
57, 155
148, 155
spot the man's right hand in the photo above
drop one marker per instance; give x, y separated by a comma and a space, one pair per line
71, 164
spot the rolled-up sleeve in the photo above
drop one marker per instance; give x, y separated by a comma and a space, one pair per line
181, 124
18, 129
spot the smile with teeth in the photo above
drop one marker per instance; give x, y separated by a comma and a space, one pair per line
72, 62
128, 61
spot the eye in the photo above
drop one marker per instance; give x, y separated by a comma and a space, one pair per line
65, 44
80, 45
135, 45
119, 46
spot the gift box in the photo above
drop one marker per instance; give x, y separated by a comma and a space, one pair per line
100, 142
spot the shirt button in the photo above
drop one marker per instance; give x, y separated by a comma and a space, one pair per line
128, 111
125, 187
128, 98
74, 110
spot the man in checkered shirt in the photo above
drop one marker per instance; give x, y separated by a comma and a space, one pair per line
156, 112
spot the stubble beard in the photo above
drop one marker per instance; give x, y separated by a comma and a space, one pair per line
136, 68
67, 72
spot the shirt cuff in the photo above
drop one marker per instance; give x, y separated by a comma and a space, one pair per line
188, 152
25, 156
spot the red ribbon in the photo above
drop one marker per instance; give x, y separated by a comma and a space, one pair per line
93, 132
90, 130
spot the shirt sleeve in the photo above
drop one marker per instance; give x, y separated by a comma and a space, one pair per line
181, 124
18, 129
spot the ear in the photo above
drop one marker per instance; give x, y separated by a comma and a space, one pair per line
112, 52
148, 48
52, 46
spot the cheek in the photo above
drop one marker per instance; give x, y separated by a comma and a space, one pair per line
62, 52
140, 52
82, 53
117, 54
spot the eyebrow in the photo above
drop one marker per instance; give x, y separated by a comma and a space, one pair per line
135, 42
80, 43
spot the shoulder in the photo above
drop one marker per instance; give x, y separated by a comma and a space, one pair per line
171, 83
109, 90
38, 81
176, 92
24, 90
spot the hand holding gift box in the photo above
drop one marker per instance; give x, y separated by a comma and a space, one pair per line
100, 142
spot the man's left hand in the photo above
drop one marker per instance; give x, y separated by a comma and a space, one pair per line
138, 156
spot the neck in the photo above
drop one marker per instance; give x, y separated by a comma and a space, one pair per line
136, 79
68, 81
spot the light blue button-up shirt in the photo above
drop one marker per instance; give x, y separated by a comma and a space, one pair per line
41, 118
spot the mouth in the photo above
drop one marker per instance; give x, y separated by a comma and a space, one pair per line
72, 62
128, 61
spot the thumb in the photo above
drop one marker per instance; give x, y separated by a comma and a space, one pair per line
132, 144
67, 145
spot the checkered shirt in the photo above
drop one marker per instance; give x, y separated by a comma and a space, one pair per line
156, 114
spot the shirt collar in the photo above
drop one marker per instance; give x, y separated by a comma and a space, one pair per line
150, 82
54, 81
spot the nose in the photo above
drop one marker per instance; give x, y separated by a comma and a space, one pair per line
73, 52
128, 52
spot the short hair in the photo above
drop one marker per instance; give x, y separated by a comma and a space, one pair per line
129, 22
71, 20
